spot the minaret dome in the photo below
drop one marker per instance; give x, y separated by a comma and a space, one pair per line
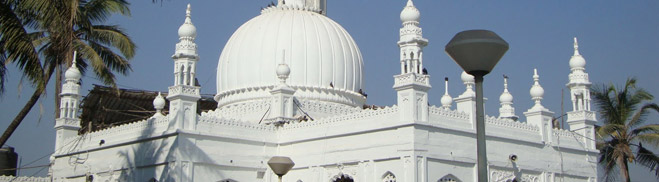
187, 29
73, 73
577, 61
410, 13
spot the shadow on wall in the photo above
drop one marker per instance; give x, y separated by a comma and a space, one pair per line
157, 160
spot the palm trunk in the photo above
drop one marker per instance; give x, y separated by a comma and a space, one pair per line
26, 109
624, 169
58, 89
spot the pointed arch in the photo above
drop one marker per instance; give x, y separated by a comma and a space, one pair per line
227, 180
388, 177
342, 178
449, 178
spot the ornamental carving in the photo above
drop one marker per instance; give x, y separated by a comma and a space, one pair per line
581, 115
182, 89
509, 176
583, 76
410, 79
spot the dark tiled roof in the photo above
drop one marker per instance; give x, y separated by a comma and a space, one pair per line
107, 107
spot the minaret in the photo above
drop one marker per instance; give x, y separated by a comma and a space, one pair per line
507, 110
581, 119
446, 100
281, 105
184, 94
538, 115
68, 123
412, 84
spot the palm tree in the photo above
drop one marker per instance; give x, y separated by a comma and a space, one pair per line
60, 27
625, 132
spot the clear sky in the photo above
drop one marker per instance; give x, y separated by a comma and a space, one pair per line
619, 39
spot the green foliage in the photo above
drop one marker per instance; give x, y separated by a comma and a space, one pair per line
623, 112
40, 35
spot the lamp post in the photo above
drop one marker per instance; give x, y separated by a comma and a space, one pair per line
477, 52
280, 165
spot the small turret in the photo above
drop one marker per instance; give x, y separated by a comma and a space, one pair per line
537, 92
507, 110
538, 115
159, 104
447, 100
466, 102
282, 107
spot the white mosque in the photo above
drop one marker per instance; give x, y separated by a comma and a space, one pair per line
290, 83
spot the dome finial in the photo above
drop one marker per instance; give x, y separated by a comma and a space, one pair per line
410, 13
187, 11
506, 97
73, 73
282, 69
506, 111
537, 92
75, 61
159, 104
446, 100
187, 30
505, 83
576, 46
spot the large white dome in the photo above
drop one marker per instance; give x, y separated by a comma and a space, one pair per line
325, 63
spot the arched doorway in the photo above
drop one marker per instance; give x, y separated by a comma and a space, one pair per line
342, 178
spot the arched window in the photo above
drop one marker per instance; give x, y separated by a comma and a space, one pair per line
388, 177
342, 178
449, 178
227, 180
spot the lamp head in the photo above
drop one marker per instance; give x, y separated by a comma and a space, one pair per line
476, 51
280, 165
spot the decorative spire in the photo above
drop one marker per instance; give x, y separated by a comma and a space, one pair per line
446, 100
187, 14
576, 47
537, 92
410, 3
159, 104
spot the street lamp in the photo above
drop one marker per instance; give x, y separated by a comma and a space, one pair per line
477, 52
280, 165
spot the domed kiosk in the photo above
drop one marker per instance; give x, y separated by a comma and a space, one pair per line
325, 62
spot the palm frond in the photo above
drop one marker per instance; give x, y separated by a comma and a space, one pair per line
607, 108
649, 138
95, 11
610, 130
648, 159
641, 113
16, 44
89, 53
110, 35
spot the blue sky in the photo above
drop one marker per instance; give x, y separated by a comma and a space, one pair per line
618, 39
